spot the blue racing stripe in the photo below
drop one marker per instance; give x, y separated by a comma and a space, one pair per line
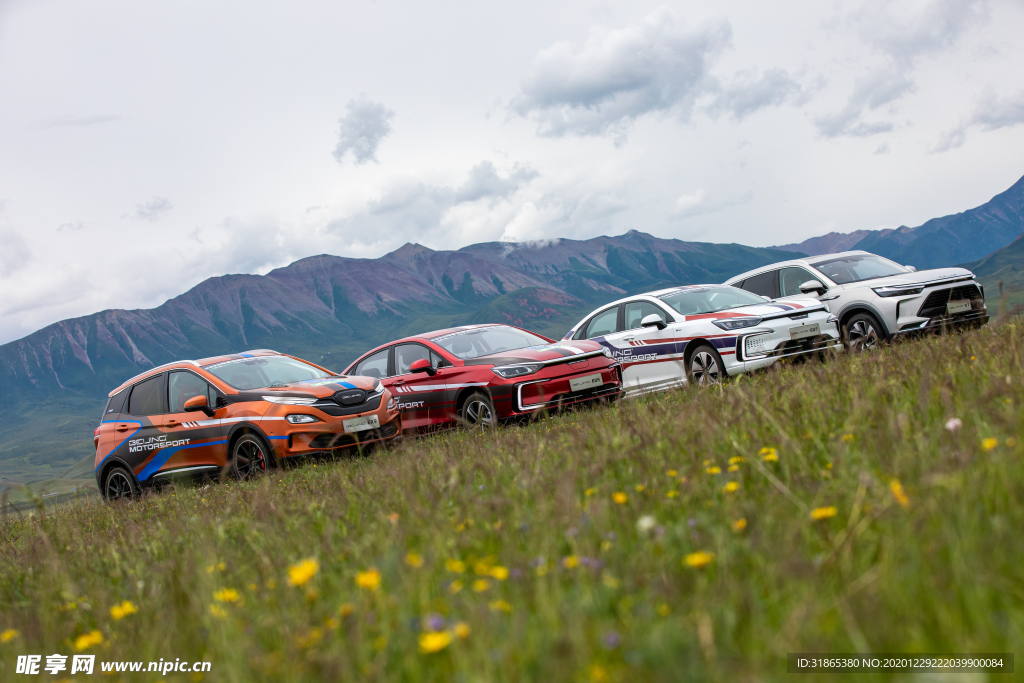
163, 456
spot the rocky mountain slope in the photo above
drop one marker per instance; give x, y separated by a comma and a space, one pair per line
940, 242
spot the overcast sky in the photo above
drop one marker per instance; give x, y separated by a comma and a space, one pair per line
146, 146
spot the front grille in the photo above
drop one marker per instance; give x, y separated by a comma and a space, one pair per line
935, 305
334, 410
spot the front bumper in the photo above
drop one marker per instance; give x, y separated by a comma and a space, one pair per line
975, 318
775, 342
308, 442
558, 392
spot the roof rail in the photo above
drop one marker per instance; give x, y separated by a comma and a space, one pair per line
158, 367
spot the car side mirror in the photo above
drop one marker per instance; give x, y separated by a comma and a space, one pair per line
813, 286
198, 404
912, 269
766, 298
423, 365
653, 320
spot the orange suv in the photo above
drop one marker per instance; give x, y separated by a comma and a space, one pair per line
239, 413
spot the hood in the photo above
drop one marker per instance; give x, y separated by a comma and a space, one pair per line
319, 388
534, 354
921, 277
769, 309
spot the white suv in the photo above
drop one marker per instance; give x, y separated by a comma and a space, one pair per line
873, 297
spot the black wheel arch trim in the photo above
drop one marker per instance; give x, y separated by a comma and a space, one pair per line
861, 307
110, 463
246, 427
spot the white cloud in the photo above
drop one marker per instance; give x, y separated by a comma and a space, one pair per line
657, 65
153, 210
361, 130
870, 92
700, 202
749, 92
993, 112
15, 254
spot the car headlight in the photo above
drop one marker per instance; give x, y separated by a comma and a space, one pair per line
898, 290
391, 403
512, 371
606, 351
378, 388
302, 419
736, 323
289, 400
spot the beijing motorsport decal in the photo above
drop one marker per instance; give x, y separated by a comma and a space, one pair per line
154, 443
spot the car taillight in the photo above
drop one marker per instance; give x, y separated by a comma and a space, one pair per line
96, 432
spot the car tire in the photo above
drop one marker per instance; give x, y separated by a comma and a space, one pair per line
119, 484
862, 332
250, 457
704, 367
477, 412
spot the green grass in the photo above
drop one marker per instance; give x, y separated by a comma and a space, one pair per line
592, 592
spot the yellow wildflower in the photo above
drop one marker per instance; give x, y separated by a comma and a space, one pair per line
899, 494
500, 606
220, 566
699, 559
672, 473
609, 580
300, 574
87, 640
346, 609
461, 630
769, 454
736, 459
739, 525
714, 469
640, 488
434, 642
455, 587
480, 585
414, 560
123, 610
672, 494
989, 444
597, 673
589, 492
499, 573
8, 635
332, 623
731, 487
456, 566
848, 438
370, 579
708, 462
664, 610
620, 497
824, 513
218, 611
226, 595
393, 518
570, 562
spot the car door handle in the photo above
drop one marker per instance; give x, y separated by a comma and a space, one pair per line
123, 427
401, 381
170, 423
828, 298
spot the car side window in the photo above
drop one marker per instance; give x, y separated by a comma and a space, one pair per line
605, 322
148, 397
375, 365
636, 311
407, 354
438, 361
765, 284
790, 280
182, 386
116, 404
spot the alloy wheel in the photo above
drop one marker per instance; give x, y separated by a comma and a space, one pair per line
862, 336
478, 413
704, 369
118, 486
250, 460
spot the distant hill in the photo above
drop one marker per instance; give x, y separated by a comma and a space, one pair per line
328, 309
1006, 266
940, 242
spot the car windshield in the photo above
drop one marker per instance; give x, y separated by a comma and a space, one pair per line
483, 341
264, 371
858, 267
697, 300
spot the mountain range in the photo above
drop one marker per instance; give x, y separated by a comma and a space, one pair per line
949, 240
330, 309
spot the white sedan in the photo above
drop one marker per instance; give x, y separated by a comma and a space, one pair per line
700, 334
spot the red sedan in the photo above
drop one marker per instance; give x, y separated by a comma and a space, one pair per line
478, 374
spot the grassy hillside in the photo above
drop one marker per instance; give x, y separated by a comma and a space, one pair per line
694, 535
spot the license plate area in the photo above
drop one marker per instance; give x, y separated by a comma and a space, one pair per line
812, 330
954, 307
361, 424
585, 382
